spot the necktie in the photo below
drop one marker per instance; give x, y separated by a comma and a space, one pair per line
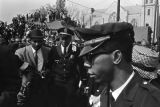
107, 99
36, 59
64, 50
111, 99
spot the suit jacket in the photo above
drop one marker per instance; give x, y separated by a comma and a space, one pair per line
136, 94
26, 54
39, 87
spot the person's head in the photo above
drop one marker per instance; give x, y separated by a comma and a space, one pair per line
36, 39
112, 53
147, 24
145, 61
65, 40
65, 36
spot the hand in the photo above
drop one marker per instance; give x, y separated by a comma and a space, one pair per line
23, 94
21, 99
30, 68
45, 73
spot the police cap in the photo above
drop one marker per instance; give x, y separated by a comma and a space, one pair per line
121, 32
65, 32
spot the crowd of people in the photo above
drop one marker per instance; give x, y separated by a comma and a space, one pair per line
40, 67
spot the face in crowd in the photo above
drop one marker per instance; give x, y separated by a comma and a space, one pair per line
65, 40
104, 66
37, 43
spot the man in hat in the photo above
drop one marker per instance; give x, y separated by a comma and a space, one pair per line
64, 64
110, 58
145, 62
33, 71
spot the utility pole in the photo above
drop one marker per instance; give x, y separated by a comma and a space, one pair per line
155, 20
144, 13
118, 11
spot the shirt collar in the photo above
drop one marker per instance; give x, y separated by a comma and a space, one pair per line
62, 47
33, 50
118, 91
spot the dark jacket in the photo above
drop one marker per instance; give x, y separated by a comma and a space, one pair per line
9, 77
136, 94
64, 67
65, 75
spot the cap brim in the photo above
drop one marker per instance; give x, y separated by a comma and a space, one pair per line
92, 45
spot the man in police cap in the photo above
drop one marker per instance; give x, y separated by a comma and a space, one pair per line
64, 64
110, 59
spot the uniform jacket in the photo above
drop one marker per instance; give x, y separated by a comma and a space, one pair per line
66, 75
136, 94
64, 65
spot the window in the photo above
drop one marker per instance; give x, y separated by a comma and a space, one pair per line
151, 1
146, 1
148, 12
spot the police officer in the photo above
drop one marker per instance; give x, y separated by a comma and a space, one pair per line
64, 65
110, 58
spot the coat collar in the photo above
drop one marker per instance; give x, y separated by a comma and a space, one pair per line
127, 96
130, 91
59, 50
30, 54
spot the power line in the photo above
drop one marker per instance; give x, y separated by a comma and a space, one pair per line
79, 4
83, 6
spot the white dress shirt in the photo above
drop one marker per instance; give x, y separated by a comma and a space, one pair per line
118, 91
40, 58
62, 48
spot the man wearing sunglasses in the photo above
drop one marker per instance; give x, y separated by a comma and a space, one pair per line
110, 57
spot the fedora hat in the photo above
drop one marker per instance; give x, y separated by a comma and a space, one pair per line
36, 34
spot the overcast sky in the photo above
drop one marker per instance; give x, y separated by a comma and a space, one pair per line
10, 8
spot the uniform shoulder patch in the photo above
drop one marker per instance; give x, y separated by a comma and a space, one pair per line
148, 86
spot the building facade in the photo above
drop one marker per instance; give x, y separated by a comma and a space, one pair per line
138, 15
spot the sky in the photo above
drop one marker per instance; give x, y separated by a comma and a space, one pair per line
10, 8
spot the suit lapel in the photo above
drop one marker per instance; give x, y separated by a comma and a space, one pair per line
44, 54
59, 50
30, 54
69, 51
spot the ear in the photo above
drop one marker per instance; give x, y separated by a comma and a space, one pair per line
117, 56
